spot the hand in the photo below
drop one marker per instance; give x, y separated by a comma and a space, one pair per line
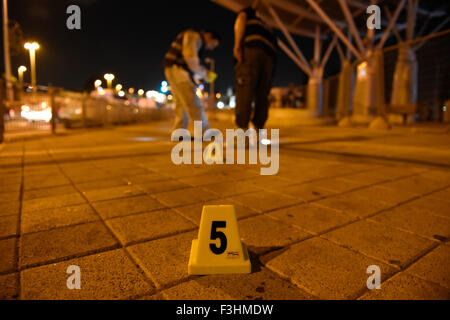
211, 77
237, 52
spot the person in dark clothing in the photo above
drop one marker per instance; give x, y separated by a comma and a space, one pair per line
255, 51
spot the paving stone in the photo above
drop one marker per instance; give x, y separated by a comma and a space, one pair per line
162, 186
42, 169
368, 178
433, 267
108, 275
113, 193
264, 201
407, 287
208, 179
306, 191
255, 233
410, 218
45, 192
431, 205
11, 161
52, 202
10, 188
8, 226
9, 286
168, 268
441, 196
44, 181
311, 218
127, 206
144, 178
6, 196
79, 177
40, 247
101, 184
259, 285
270, 183
184, 197
181, 171
7, 255
353, 205
130, 170
417, 184
9, 180
147, 226
9, 208
157, 296
226, 189
381, 241
46, 219
440, 176
196, 290
193, 212
339, 185
324, 269
379, 194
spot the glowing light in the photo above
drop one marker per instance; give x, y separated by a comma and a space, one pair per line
201, 87
232, 103
164, 84
101, 91
109, 76
362, 70
220, 105
31, 46
97, 83
22, 69
141, 92
33, 115
108, 107
169, 97
199, 93
131, 90
218, 96
121, 93
444, 108
118, 87
266, 142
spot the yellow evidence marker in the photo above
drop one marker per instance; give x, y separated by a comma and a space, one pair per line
218, 249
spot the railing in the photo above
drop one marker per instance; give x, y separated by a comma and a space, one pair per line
433, 79
46, 111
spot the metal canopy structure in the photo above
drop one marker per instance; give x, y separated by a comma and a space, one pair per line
344, 23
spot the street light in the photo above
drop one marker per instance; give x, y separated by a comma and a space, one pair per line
141, 92
109, 77
119, 87
20, 71
97, 83
32, 47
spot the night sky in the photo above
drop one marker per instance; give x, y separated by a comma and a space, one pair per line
128, 38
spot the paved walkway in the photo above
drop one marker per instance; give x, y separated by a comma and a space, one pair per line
111, 202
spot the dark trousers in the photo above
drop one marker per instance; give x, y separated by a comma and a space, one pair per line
253, 84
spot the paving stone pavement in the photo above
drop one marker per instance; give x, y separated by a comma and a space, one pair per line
344, 199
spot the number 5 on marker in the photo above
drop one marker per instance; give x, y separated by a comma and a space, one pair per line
218, 235
219, 248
